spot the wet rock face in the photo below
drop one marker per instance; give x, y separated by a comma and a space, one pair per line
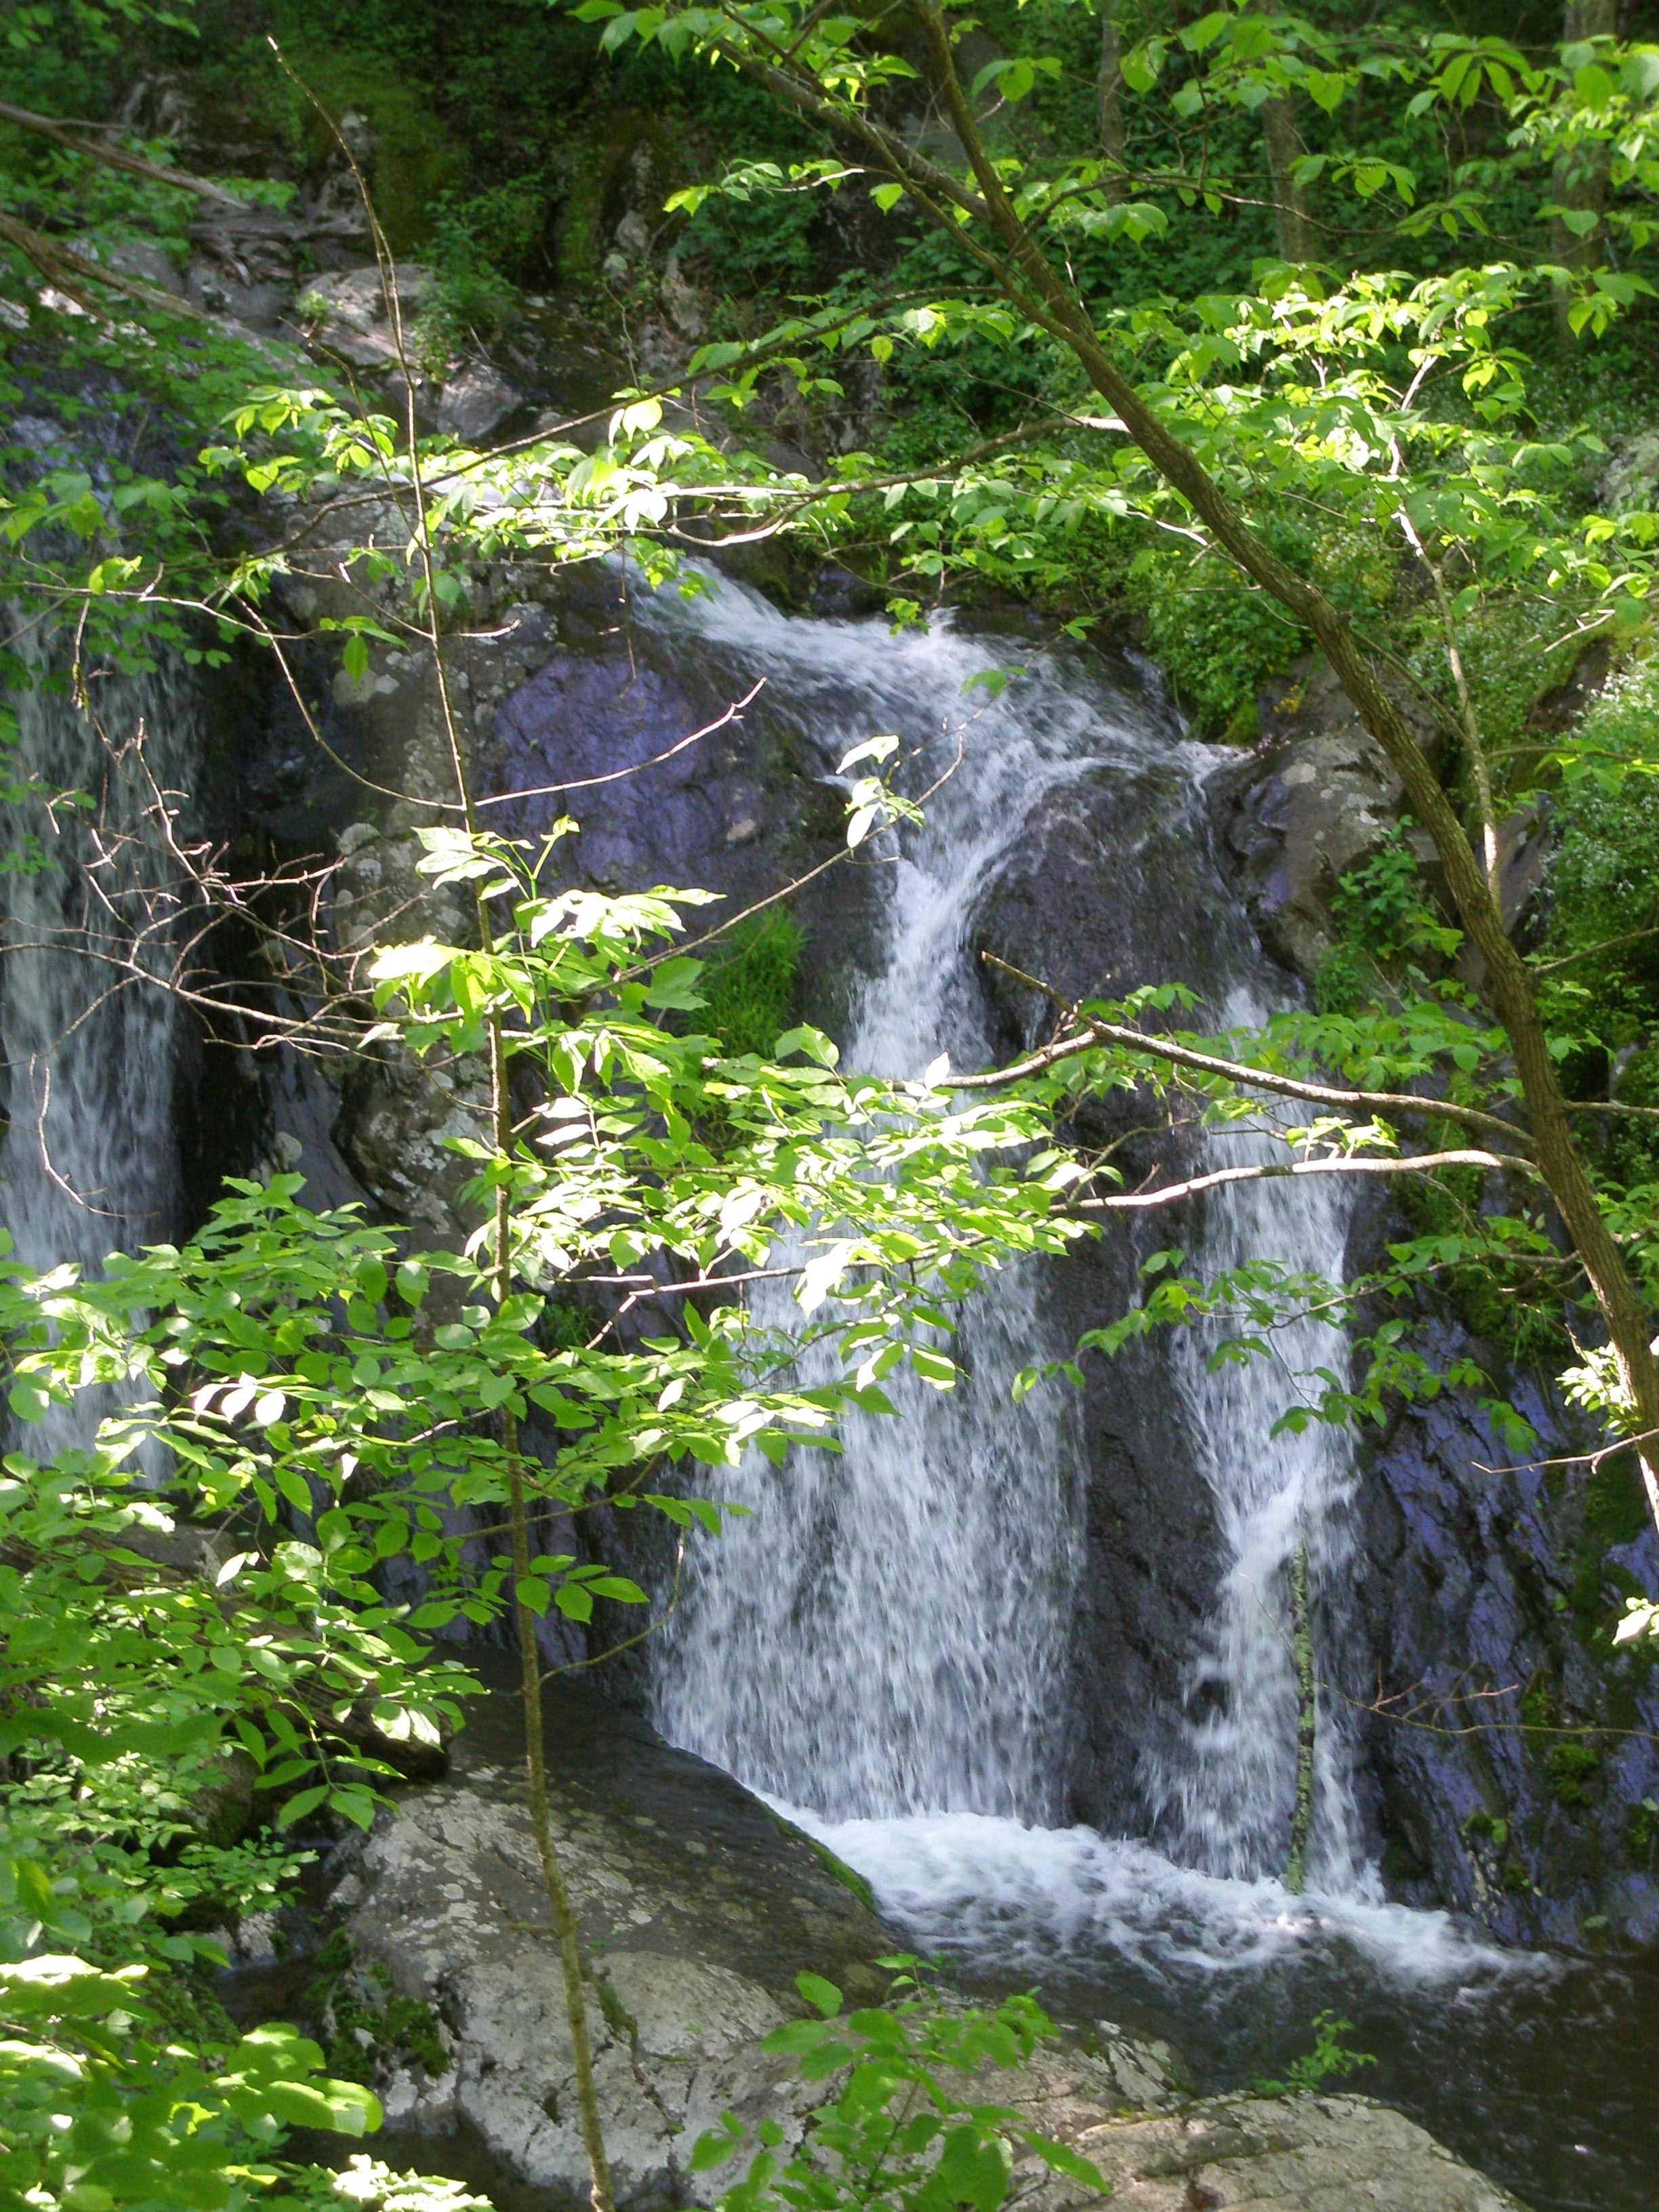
600, 733
1513, 1748
1318, 798
605, 733
1153, 1561
1117, 884
1113, 886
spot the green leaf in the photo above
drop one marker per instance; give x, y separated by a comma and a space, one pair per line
1064, 2159
822, 1996
27, 1400
296, 1808
617, 1589
974, 2168
714, 2146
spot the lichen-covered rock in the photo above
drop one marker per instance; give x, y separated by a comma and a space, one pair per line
474, 400
345, 312
695, 1914
1320, 800
1631, 478
1305, 2154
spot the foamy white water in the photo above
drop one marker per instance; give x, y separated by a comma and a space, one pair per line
888, 1633
1031, 1899
1225, 1801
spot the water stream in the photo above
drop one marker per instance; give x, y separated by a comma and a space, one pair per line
886, 1638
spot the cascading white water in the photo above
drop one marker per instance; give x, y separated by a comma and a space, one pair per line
90, 1161
887, 1633
886, 1636
1225, 1804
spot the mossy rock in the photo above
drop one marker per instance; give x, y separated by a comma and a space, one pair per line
618, 162
415, 158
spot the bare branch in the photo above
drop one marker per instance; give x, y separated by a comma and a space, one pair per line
113, 158
1204, 1063
69, 271
1589, 951
1267, 1170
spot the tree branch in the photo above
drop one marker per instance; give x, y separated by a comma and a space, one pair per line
69, 271
113, 158
1269, 1170
1204, 1063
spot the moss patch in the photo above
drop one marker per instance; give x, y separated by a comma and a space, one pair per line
748, 990
367, 2025
848, 1877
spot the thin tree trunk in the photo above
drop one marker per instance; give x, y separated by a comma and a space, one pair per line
601, 2192
1579, 182
1479, 766
1030, 280
1109, 95
1285, 149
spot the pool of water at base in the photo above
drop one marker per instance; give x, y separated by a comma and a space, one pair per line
1540, 2069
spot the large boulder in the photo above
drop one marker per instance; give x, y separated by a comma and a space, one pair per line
1305, 2153
698, 1905
346, 313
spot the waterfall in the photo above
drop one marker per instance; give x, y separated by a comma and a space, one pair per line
885, 1639
888, 1633
1224, 1803
90, 1161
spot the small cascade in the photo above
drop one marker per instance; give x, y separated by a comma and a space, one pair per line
1223, 1799
90, 1161
885, 1640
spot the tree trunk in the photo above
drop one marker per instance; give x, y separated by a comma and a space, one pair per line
1031, 281
1285, 151
1109, 95
1579, 181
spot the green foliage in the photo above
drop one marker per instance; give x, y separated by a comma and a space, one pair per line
1642, 1834
748, 987
1330, 2060
769, 237
369, 2025
1380, 903
370, 2186
270, 1360
473, 240
1382, 912
1218, 639
268, 1355
899, 2135
1604, 874
101, 2103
